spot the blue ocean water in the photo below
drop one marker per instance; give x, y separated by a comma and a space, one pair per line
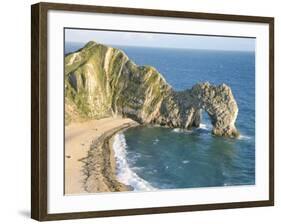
162, 158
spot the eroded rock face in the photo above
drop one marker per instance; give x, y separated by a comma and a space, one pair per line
221, 106
101, 81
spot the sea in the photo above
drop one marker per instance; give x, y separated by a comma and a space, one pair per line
154, 158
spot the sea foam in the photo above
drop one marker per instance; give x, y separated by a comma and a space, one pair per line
205, 126
202, 126
244, 137
124, 173
181, 130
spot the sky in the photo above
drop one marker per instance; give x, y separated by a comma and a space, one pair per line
160, 40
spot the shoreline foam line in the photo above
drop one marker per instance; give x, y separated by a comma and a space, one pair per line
124, 173
99, 164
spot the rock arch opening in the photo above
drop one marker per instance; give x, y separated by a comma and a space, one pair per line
205, 121
120, 87
219, 104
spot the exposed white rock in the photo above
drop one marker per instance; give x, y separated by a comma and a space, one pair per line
104, 82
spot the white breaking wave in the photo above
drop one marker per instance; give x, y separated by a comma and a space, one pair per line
124, 173
205, 126
244, 137
185, 161
155, 141
177, 130
201, 126
181, 130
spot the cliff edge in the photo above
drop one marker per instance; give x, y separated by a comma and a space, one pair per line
101, 81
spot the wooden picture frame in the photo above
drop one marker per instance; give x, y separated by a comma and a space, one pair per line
39, 110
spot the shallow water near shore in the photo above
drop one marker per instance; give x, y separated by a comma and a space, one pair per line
164, 158
149, 158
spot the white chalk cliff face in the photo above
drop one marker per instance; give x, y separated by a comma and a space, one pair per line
101, 81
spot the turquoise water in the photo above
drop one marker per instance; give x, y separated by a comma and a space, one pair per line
161, 158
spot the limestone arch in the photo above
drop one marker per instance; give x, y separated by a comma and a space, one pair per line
220, 105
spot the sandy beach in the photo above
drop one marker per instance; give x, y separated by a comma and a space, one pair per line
89, 158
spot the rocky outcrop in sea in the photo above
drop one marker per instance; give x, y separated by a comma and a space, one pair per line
101, 81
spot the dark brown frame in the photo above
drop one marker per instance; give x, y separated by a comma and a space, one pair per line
39, 110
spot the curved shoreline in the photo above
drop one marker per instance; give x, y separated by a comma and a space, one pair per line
80, 175
100, 165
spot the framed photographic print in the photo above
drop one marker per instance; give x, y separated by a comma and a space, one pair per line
139, 111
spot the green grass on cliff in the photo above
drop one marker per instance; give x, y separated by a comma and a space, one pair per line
97, 91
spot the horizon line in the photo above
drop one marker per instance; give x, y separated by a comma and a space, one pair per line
143, 46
